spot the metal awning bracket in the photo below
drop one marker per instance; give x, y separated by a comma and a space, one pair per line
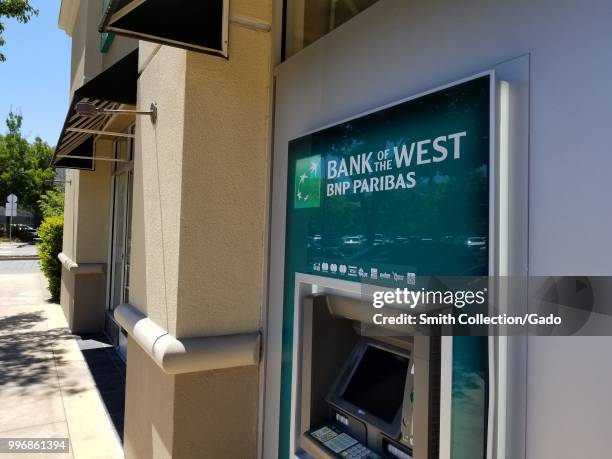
100, 132
91, 109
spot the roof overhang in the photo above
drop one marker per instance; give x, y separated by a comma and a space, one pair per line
113, 88
197, 25
69, 11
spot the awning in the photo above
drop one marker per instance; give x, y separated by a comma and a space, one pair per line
112, 88
197, 25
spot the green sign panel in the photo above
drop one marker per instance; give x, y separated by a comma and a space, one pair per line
389, 197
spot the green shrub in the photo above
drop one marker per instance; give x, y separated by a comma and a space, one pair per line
51, 231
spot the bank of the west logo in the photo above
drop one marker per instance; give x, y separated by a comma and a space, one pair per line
307, 182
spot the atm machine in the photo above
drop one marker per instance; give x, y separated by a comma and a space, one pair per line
337, 384
366, 392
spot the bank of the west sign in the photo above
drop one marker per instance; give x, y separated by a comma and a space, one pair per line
391, 196
403, 190
391, 168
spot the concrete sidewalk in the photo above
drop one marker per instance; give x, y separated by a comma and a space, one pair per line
46, 387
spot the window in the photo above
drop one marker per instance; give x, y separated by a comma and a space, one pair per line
309, 20
121, 215
120, 238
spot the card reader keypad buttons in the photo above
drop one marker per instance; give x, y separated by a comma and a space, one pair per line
324, 434
340, 443
359, 451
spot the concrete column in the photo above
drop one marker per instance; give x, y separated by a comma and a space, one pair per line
199, 226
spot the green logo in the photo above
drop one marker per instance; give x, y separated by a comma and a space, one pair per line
307, 182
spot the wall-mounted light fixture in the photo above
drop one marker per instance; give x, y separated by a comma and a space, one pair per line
87, 108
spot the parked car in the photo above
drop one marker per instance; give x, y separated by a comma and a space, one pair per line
23, 232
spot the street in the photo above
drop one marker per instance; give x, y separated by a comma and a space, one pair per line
17, 250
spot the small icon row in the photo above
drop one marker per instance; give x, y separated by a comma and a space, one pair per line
359, 272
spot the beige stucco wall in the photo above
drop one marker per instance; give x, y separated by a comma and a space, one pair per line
149, 407
149, 411
83, 301
71, 209
67, 294
71, 216
157, 188
85, 62
94, 204
225, 160
215, 414
85, 240
199, 224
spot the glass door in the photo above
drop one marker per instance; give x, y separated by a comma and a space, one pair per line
119, 263
120, 243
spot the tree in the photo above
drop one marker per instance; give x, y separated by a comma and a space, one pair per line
51, 203
21, 10
24, 167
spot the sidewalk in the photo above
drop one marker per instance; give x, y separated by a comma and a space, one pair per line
46, 386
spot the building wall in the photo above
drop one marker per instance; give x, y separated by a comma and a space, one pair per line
87, 193
398, 48
198, 226
149, 407
157, 186
150, 393
94, 202
85, 241
85, 62
224, 186
215, 414
71, 212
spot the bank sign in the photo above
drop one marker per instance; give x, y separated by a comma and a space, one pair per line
390, 196
392, 168
396, 194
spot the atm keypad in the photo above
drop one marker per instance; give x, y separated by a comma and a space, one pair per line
324, 434
342, 444
359, 451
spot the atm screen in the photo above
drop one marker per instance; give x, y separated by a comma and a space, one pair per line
377, 384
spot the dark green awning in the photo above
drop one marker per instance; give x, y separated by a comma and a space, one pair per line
112, 88
197, 25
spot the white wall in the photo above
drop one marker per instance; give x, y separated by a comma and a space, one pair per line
400, 47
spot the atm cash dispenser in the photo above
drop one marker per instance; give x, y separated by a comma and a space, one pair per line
365, 392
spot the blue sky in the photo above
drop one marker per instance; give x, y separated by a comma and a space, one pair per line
35, 77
